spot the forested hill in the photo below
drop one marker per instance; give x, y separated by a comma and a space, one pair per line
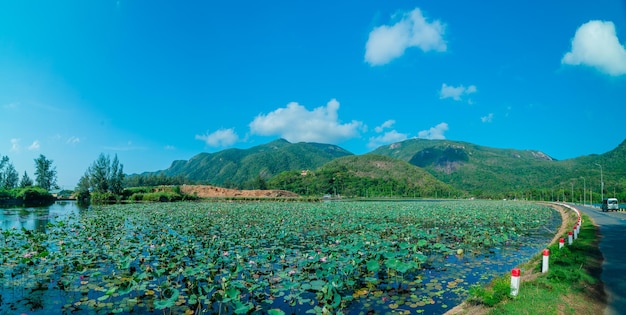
458, 167
236, 167
491, 172
366, 175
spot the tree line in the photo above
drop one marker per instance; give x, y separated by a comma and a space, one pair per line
102, 181
45, 175
14, 189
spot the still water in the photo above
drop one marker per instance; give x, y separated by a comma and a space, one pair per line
442, 284
36, 218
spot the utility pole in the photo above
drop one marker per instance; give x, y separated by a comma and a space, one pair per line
584, 190
601, 183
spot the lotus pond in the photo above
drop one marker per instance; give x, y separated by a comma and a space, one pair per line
267, 258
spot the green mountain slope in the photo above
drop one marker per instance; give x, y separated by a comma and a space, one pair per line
366, 175
415, 167
509, 173
235, 167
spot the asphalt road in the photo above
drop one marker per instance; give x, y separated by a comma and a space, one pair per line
613, 247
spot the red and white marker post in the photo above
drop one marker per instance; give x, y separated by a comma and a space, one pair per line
570, 236
546, 256
561, 243
576, 232
515, 280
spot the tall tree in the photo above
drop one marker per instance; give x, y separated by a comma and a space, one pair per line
116, 177
83, 189
99, 174
11, 177
4, 161
103, 176
45, 173
26, 181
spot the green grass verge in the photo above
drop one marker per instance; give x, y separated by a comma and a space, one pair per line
570, 286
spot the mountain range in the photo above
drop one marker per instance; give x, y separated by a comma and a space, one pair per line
414, 167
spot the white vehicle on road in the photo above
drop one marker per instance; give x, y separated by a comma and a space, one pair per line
609, 204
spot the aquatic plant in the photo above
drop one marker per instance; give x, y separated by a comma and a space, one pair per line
241, 258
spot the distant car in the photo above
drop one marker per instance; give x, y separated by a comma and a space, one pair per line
609, 204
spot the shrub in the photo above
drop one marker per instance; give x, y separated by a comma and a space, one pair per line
5, 194
83, 197
162, 196
34, 196
190, 197
136, 197
492, 295
103, 198
128, 192
29, 196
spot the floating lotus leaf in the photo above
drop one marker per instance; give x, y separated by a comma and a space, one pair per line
339, 257
275, 311
373, 265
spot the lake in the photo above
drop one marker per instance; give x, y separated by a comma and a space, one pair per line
36, 218
253, 258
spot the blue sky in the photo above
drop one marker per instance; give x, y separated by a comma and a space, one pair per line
157, 81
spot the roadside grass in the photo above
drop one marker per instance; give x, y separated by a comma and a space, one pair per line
571, 285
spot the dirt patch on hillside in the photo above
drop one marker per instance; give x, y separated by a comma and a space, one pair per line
207, 191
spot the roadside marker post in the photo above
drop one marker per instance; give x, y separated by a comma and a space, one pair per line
515, 281
546, 256
576, 232
570, 236
561, 243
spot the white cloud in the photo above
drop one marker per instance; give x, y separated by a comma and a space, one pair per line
456, 93
434, 132
34, 146
295, 123
72, 140
15, 145
595, 44
220, 138
386, 138
170, 147
387, 124
487, 119
387, 42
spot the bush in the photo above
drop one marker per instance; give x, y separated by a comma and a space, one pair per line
103, 198
31, 196
500, 290
156, 194
5, 195
83, 197
162, 196
129, 192
136, 197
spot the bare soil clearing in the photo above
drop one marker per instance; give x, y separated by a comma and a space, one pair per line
207, 191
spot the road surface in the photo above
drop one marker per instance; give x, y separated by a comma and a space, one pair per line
613, 247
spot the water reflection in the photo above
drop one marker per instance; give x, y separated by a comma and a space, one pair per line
36, 218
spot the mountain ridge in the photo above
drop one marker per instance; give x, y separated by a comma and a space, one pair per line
478, 170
